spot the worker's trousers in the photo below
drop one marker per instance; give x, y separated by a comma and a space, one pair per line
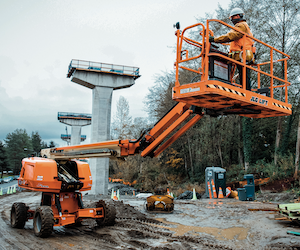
248, 82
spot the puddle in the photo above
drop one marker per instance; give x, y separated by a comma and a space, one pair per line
189, 215
239, 233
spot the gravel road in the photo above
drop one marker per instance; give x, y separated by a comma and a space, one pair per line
194, 224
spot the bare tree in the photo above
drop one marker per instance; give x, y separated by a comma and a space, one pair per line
297, 151
122, 121
139, 125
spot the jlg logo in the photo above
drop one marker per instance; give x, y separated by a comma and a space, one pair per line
42, 186
259, 100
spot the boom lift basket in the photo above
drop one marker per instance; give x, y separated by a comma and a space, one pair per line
217, 91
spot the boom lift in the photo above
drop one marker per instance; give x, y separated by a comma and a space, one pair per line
60, 179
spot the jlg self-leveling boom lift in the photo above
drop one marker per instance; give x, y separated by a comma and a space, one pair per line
60, 179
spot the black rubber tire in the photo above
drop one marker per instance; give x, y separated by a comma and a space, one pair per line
18, 215
169, 207
150, 206
43, 221
109, 214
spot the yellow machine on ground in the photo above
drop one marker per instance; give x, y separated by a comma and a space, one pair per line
160, 202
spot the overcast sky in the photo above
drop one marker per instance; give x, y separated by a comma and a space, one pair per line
40, 38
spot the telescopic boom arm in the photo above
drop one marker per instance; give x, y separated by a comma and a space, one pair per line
151, 143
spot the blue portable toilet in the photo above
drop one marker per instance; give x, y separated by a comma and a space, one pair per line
242, 194
250, 187
219, 176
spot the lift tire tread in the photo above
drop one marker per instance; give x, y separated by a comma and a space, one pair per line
43, 221
18, 215
109, 214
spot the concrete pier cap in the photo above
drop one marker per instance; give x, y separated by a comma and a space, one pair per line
76, 121
102, 78
67, 138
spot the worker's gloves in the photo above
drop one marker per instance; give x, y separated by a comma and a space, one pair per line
211, 39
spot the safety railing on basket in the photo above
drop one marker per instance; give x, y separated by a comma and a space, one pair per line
268, 74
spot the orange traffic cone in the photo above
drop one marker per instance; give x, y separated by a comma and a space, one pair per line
221, 196
168, 192
228, 191
214, 189
115, 198
209, 190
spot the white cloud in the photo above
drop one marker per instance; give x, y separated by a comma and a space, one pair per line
40, 37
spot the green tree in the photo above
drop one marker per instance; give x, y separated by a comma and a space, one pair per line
44, 145
275, 23
297, 157
3, 159
51, 144
247, 139
37, 143
18, 146
159, 99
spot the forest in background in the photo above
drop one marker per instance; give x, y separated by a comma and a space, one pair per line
266, 147
18, 145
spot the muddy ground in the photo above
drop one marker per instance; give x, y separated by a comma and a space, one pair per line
194, 224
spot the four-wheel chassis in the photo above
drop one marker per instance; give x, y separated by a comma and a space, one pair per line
60, 209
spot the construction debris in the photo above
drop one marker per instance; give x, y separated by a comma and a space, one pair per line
187, 195
290, 210
292, 232
123, 189
262, 209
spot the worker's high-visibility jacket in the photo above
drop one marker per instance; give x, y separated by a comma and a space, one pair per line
235, 38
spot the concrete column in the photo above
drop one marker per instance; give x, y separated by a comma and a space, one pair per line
76, 121
102, 79
75, 135
102, 97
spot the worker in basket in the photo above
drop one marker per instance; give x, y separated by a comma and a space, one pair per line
236, 43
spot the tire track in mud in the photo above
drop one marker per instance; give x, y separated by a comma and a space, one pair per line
132, 230
61, 238
140, 229
7, 236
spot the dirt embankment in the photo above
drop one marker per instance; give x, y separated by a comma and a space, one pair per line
199, 224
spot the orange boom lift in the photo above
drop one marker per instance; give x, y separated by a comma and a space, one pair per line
213, 91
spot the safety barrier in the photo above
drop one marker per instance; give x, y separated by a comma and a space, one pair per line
8, 190
103, 67
68, 115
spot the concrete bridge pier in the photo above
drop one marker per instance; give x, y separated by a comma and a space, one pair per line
102, 79
76, 121
101, 110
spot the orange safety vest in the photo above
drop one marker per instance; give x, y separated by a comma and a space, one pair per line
237, 45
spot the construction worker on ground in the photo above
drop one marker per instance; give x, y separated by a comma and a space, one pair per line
236, 43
